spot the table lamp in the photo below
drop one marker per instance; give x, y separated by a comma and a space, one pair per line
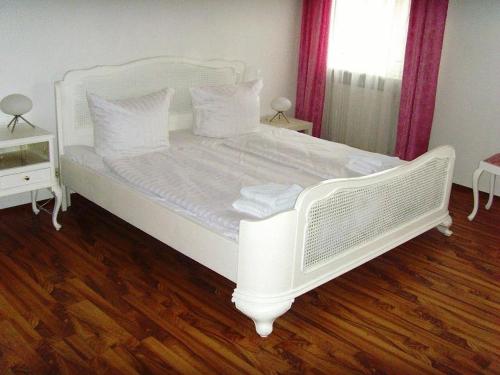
16, 105
280, 105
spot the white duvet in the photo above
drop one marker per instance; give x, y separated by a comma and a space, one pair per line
202, 177
313, 155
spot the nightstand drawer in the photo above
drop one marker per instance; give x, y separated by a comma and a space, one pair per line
25, 178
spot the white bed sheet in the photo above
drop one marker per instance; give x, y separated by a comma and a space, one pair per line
201, 177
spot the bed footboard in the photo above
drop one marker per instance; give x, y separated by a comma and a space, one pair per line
336, 226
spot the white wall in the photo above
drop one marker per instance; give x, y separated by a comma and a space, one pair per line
468, 98
41, 40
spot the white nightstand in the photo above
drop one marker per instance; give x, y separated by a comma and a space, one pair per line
27, 164
294, 124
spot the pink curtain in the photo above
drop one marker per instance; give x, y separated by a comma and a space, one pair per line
312, 62
420, 75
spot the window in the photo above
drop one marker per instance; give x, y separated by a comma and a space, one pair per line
369, 36
365, 67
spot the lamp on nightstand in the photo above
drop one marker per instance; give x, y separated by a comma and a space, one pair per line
16, 105
280, 105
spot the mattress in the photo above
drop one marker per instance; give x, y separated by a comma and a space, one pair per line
201, 177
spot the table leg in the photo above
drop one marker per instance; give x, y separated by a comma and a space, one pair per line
57, 206
492, 191
34, 207
475, 180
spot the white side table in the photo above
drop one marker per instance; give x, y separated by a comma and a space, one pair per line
491, 165
27, 164
293, 124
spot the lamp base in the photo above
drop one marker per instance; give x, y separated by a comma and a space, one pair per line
280, 115
15, 120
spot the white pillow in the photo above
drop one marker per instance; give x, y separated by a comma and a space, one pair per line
224, 111
130, 126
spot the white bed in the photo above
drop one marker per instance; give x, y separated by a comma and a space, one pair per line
336, 224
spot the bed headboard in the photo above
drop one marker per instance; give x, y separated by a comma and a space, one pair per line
137, 78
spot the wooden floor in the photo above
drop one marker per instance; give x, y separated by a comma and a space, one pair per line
102, 297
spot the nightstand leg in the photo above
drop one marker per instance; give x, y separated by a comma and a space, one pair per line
57, 206
475, 192
34, 207
492, 191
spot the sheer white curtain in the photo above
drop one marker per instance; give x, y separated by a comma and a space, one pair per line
365, 64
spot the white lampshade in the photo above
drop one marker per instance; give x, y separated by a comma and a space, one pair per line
281, 104
16, 104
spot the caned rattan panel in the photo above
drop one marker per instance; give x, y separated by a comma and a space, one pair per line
134, 82
351, 217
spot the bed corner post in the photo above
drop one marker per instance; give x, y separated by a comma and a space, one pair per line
265, 269
264, 314
444, 227
58, 87
447, 152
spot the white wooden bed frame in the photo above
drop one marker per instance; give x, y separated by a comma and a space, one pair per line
335, 226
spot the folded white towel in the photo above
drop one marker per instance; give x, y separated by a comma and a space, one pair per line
364, 164
261, 210
265, 200
272, 195
367, 160
361, 168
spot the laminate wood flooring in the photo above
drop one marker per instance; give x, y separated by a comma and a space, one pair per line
102, 297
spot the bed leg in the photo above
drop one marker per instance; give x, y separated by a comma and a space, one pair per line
263, 314
66, 200
444, 227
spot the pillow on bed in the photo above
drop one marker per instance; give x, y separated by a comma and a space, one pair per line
130, 126
224, 111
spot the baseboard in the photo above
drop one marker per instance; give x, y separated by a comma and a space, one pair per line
484, 184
